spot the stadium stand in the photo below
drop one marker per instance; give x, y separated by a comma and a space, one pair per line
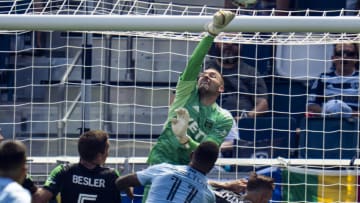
329, 138
266, 137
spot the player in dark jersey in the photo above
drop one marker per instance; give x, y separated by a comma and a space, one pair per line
29, 184
259, 190
87, 180
177, 183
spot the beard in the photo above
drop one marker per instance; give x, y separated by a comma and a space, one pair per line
205, 90
204, 87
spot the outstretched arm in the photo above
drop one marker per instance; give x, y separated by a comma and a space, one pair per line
220, 20
124, 183
236, 186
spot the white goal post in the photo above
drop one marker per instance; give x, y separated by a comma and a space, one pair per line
346, 24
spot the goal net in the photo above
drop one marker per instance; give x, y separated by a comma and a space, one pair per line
72, 65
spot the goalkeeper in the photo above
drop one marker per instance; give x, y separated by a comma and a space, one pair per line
194, 115
195, 100
196, 93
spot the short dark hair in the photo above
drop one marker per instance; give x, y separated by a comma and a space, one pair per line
92, 143
206, 154
355, 45
259, 182
12, 155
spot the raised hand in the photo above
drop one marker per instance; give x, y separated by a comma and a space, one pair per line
220, 20
180, 125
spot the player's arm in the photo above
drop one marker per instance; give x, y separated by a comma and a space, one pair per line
236, 186
52, 185
193, 67
42, 196
124, 182
220, 20
29, 184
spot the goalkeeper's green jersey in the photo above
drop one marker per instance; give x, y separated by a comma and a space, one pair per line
206, 122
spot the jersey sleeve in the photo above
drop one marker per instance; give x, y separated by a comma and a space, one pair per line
55, 180
186, 84
193, 67
146, 176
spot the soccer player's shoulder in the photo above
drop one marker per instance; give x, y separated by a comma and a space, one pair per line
225, 113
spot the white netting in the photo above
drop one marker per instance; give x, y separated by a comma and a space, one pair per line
48, 90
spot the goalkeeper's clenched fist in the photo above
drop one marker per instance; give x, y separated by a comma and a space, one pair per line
180, 125
220, 20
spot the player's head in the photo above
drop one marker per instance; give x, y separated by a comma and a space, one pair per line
13, 160
93, 146
205, 156
210, 82
259, 188
346, 55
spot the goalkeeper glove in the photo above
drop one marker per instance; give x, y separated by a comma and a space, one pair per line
179, 126
220, 20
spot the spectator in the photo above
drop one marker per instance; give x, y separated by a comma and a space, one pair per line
259, 189
316, 8
337, 91
245, 92
12, 172
87, 180
177, 183
352, 7
259, 56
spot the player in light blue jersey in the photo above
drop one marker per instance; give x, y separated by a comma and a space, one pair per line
338, 91
177, 183
13, 172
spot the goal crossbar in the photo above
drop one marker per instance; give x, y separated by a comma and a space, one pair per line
349, 24
221, 161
